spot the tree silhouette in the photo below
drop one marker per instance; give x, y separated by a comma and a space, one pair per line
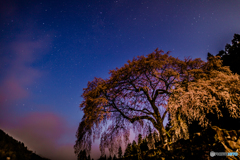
231, 54
120, 152
82, 155
139, 139
103, 157
114, 157
134, 147
128, 150
110, 157
143, 91
144, 145
89, 157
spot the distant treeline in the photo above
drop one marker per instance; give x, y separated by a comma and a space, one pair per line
152, 141
15, 150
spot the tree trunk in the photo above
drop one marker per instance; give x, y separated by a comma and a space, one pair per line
164, 138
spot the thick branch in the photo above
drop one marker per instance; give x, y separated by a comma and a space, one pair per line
148, 112
160, 91
143, 117
164, 114
153, 88
141, 89
132, 120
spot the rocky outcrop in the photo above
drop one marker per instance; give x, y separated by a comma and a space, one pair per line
198, 147
202, 143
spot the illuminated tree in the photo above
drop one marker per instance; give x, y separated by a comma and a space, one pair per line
141, 93
213, 90
230, 57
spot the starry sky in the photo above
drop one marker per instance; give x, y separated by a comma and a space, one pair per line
50, 49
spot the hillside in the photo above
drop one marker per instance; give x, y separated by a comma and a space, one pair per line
9, 147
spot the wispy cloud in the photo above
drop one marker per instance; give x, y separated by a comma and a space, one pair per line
18, 74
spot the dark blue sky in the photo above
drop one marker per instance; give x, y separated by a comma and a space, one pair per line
50, 49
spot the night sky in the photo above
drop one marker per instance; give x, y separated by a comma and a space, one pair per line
50, 49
